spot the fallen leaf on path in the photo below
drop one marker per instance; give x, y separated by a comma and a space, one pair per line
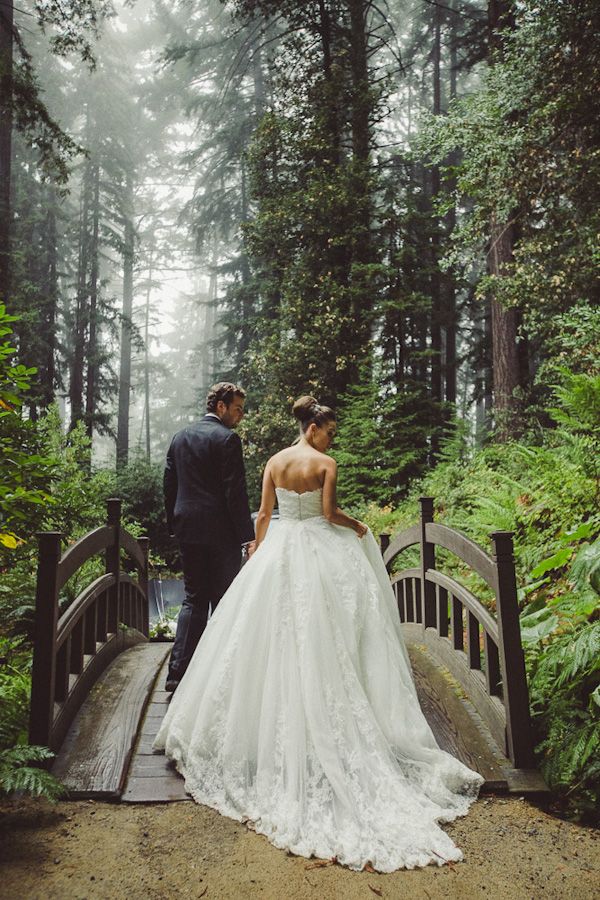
321, 863
375, 890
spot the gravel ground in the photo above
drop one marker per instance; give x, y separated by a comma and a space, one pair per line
180, 850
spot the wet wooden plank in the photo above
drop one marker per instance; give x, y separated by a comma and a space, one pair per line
461, 730
457, 727
95, 754
165, 789
527, 781
152, 777
151, 765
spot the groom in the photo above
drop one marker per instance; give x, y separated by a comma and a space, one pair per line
207, 510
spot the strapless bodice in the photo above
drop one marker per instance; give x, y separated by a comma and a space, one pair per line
296, 506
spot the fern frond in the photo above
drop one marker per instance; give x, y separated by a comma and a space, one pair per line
17, 775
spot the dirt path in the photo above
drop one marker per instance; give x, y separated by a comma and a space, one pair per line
95, 850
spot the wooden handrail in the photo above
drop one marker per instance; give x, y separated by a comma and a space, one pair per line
505, 662
87, 636
133, 549
468, 599
80, 605
401, 541
462, 546
78, 553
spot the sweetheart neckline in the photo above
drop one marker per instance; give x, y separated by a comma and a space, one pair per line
299, 493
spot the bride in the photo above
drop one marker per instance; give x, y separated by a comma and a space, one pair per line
298, 713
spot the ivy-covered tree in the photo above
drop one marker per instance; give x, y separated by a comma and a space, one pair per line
531, 163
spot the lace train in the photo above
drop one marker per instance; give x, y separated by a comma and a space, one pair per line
298, 713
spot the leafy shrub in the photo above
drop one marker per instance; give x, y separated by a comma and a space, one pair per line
546, 493
139, 484
15, 754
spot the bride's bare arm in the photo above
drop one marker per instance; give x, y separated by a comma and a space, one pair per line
331, 510
267, 502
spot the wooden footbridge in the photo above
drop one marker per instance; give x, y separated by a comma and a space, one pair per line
97, 698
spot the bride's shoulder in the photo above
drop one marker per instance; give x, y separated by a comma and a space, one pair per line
281, 455
330, 465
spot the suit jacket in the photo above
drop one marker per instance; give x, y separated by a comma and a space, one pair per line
205, 486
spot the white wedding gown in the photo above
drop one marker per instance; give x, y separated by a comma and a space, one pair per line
298, 713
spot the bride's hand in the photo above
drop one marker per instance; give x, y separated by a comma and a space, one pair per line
361, 529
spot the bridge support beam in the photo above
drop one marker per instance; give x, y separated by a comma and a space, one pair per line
113, 563
428, 616
519, 743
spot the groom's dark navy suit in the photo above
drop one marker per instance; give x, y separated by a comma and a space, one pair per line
207, 509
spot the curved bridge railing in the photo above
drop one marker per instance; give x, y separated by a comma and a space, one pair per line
70, 652
482, 652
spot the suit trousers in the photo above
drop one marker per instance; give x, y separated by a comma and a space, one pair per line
207, 573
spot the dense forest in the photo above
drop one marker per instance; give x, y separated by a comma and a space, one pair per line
393, 206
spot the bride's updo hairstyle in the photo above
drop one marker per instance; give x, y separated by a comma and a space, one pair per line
307, 410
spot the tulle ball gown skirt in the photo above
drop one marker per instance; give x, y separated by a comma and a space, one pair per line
298, 713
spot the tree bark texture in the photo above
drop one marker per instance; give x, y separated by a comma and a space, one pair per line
6, 121
92, 343
125, 357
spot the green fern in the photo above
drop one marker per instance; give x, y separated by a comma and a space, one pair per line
572, 656
15, 686
17, 775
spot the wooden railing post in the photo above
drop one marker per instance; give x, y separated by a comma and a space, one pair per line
144, 543
384, 541
512, 661
113, 567
427, 562
44, 649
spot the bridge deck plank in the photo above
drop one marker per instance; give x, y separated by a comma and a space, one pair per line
95, 754
152, 777
457, 726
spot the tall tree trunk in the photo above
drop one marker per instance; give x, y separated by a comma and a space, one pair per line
147, 358
325, 32
125, 359
258, 74
48, 369
505, 357
76, 380
436, 311
6, 121
92, 344
208, 366
450, 301
488, 369
361, 102
362, 254
505, 360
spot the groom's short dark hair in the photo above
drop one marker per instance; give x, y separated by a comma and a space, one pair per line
225, 391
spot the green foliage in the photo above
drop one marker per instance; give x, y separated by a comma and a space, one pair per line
24, 470
381, 442
139, 485
15, 754
544, 493
17, 775
79, 493
166, 628
564, 679
15, 685
527, 141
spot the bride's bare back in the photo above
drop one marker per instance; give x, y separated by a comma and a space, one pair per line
303, 468
299, 468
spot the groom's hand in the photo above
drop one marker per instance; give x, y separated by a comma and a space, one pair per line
250, 548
